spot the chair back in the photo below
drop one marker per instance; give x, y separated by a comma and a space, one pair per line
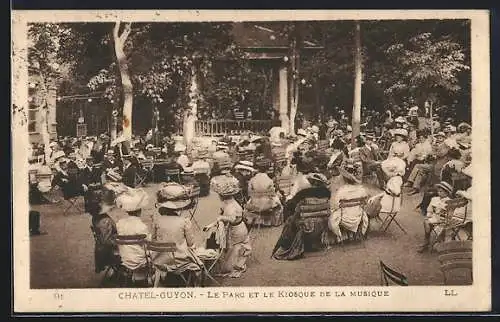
193, 192
454, 217
147, 163
456, 255
314, 208
284, 183
161, 247
138, 239
354, 202
390, 276
33, 176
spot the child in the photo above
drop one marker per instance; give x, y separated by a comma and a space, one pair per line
436, 211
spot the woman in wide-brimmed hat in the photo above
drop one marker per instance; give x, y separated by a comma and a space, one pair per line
400, 148
170, 226
345, 222
98, 204
237, 239
436, 212
263, 207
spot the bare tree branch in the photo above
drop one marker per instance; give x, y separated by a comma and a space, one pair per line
126, 32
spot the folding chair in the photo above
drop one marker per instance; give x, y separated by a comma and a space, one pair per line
193, 194
126, 276
284, 184
351, 203
144, 172
173, 175
390, 216
315, 210
453, 221
389, 276
160, 273
453, 256
457, 220
71, 196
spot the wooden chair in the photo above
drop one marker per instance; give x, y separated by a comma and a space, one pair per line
453, 221
145, 172
316, 209
193, 194
352, 203
126, 276
389, 276
454, 256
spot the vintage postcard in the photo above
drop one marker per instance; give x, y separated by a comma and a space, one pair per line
251, 161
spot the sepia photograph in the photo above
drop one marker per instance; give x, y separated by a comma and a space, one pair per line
315, 160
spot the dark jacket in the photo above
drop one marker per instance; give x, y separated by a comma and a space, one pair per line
104, 229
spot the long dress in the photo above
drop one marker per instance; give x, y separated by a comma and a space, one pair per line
302, 234
176, 229
238, 247
345, 222
264, 206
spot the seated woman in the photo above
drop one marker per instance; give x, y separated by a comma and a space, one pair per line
436, 212
455, 165
343, 223
263, 207
104, 229
244, 171
301, 234
238, 247
169, 226
390, 199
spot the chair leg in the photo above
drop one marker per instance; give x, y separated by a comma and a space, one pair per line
400, 227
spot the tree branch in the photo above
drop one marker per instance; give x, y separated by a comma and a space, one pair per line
116, 29
126, 32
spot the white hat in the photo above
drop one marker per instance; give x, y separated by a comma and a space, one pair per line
440, 134
149, 146
132, 200
401, 132
188, 170
225, 185
110, 152
58, 154
315, 129
464, 125
302, 132
53, 144
393, 167
245, 165
349, 128
400, 119
172, 196
445, 186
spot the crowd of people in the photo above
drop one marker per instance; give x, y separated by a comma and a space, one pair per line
313, 184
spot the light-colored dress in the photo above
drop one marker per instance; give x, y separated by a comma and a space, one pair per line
400, 150
238, 241
264, 206
347, 219
178, 230
133, 256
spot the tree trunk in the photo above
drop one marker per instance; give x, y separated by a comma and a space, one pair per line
44, 118
356, 108
191, 112
294, 84
128, 94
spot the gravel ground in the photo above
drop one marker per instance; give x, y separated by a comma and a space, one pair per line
64, 257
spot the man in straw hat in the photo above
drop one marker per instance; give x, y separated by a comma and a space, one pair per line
436, 211
132, 201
